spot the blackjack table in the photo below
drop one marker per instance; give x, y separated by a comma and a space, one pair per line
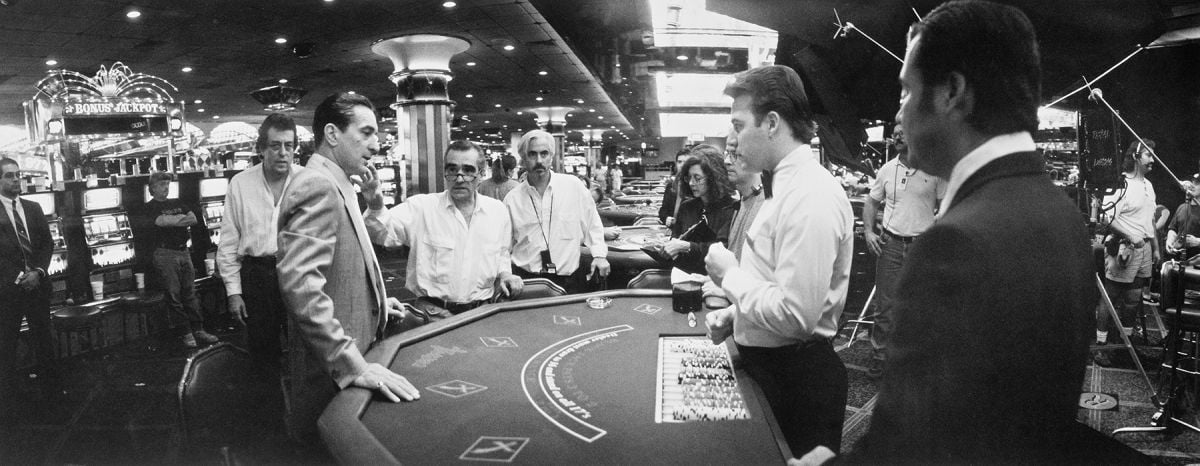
613, 377
625, 214
638, 199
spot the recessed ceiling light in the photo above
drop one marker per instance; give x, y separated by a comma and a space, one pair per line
216, 117
497, 105
601, 117
470, 96
186, 69
520, 113
449, 4
487, 122
197, 101
283, 81
539, 99
613, 127
470, 63
579, 101
543, 73
591, 110
280, 40
348, 92
51, 62
509, 47
133, 14
681, 57
201, 110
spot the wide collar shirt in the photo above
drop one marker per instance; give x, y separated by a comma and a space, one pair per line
988, 152
791, 284
248, 224
910, 197
559, 221
449, 258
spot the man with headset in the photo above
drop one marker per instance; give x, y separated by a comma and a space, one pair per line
909, 198
1132, 227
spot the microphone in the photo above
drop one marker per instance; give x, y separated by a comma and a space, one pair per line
1096, 94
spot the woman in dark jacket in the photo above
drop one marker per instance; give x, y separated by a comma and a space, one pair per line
704, 218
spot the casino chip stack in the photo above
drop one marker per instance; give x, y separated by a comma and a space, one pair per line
698, 383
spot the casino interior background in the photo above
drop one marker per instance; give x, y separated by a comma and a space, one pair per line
638, 80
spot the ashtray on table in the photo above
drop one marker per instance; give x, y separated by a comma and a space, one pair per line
599, 302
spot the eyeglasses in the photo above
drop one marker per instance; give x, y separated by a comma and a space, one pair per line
467, 173
696, 179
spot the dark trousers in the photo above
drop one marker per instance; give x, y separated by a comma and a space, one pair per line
179, 279
266, 321
573, 283
35, 307
805, 385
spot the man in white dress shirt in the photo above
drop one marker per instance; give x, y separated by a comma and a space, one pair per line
246, 253
790, 287
459, 240
552, 214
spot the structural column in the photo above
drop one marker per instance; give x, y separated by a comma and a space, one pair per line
423, 105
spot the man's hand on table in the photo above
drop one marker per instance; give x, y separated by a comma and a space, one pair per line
510, 285
394, 386
599, 265
675, 246
720, 324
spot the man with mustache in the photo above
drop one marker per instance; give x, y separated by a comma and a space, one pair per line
459, 239
551, 215
246, 253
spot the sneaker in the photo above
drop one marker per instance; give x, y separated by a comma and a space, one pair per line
189, 341
205, 337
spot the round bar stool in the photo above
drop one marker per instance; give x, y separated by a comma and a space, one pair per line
78, 322
140, 305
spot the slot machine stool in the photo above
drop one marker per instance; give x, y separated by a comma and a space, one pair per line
1179, 378
78, 323
140, 306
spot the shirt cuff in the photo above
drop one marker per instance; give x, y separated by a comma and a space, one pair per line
232, 287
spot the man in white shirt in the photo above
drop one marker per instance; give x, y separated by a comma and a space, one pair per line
790, 286
246, 253
552, 214
459, 240
909, 197
1132, 225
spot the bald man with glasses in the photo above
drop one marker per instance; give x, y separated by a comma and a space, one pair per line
460, 242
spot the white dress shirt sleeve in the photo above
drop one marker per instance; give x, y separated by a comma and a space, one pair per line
229, 262
389, 227
593, 228
790, 301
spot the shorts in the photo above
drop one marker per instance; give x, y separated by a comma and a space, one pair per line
1138, 265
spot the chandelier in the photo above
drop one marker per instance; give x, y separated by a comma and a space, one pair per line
280, 98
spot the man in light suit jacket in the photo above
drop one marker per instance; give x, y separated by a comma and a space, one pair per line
25, 247
994, 305
330, 279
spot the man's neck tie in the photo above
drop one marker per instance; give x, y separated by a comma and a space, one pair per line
22, 236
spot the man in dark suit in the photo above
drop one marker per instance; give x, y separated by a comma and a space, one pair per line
994, 307
25, 247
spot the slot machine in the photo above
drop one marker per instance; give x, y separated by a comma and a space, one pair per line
212, 205
388, 185
109, 239
58, 258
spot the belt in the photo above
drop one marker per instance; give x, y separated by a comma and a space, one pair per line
903, 239
259, 260
173, 248
454, 308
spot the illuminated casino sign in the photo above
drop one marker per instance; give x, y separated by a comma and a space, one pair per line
115, 103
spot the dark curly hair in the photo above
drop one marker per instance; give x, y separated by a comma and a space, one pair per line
712, 162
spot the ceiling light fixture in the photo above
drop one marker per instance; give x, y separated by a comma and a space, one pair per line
200, 110
133, 14
279, 98
216, 117
497, 105
280, 40
197, 101
470, 96
186, 69
543, 73
681, 57
283, 81
470, 63
449, 4
51, 62
539, 99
